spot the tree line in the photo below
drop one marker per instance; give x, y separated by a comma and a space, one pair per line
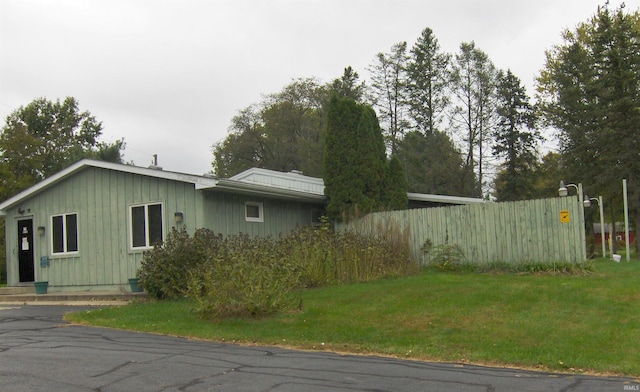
450, 123
460, 126
444, 117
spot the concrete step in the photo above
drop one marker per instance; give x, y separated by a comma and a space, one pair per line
17, 290
71, 297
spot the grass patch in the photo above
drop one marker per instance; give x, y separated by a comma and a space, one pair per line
572, 323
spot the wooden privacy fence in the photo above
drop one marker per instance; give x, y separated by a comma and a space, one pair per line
544, 230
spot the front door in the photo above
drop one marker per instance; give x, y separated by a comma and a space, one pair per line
25, 254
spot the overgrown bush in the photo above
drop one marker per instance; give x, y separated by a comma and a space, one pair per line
166, 267
326, 257
250, 278
242, 276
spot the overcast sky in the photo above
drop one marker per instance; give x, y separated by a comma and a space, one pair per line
168, 76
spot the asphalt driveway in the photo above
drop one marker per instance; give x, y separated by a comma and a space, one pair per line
39, 352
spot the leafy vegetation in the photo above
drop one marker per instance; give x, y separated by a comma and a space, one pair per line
44, 137
166, 268
253, 277
284, 132
558, 322
245, 277
589, 90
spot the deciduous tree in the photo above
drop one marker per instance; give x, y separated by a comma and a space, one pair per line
473, 82
284, 132
43, 137
388, 92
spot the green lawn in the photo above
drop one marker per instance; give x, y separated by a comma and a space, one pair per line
562, 323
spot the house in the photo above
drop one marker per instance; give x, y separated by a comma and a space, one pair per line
619, 235
87, 227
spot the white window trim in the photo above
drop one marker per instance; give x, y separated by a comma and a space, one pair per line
260, 217
64, 234
146, 226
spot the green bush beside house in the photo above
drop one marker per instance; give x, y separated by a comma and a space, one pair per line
243, 276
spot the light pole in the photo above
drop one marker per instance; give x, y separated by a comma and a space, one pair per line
625, 200
563, 191
599, 201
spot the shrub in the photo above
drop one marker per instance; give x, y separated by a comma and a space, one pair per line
249, 278
241, 276
444, 256
165, 268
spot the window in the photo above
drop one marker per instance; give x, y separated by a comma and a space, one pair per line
253, 212
64, 233
146, 225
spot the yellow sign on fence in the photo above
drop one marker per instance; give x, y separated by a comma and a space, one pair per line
565, 216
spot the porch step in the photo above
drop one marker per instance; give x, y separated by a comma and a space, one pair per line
86, 297
17, 290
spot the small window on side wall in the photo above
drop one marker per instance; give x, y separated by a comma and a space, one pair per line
64, 234
253, 212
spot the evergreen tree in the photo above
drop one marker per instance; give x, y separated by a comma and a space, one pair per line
432, 164
395, 190
348, 86
427, 82
355, 168
514, 140
343, 187
590, 91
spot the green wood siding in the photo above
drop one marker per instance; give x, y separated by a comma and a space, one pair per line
225, 214
101, 198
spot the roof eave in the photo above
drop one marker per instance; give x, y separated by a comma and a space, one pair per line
84, 163
267, 191
443, 199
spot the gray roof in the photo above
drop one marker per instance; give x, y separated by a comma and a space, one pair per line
85, 163
256, 181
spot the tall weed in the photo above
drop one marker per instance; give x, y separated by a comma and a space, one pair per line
242, 276
326, 257
247, 279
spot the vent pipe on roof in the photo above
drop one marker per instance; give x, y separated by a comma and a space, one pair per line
154, 165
